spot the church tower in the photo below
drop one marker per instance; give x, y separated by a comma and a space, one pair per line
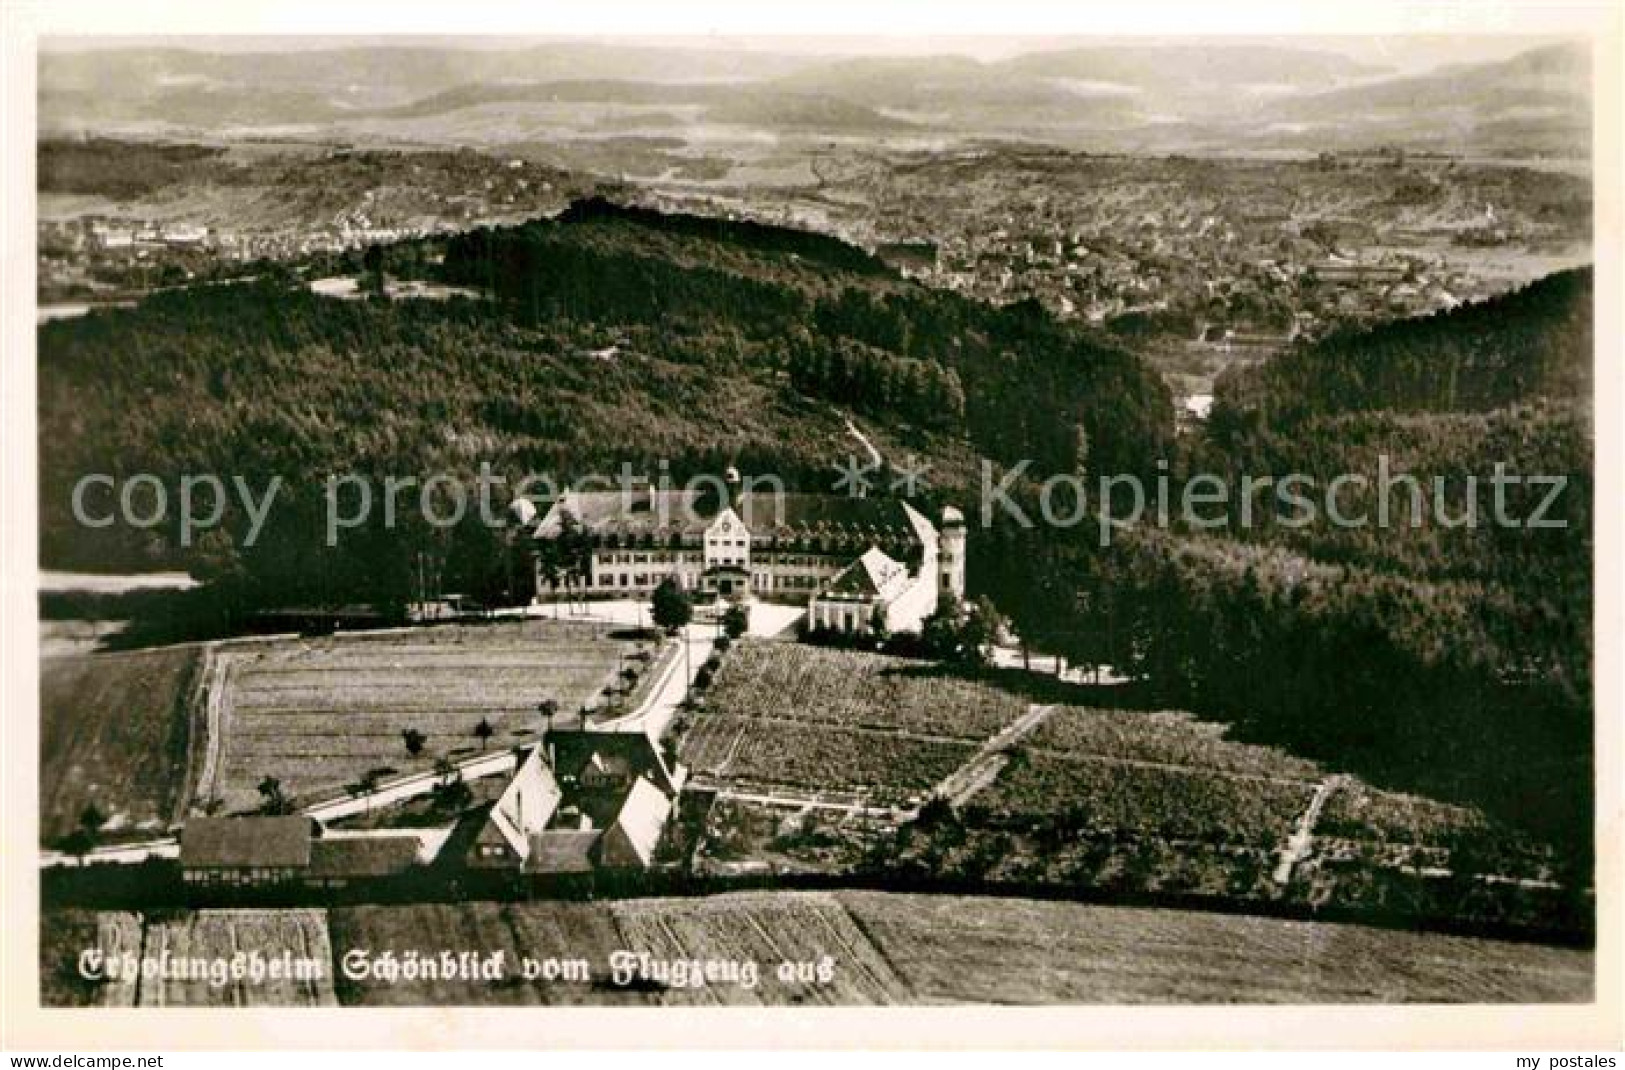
951, 554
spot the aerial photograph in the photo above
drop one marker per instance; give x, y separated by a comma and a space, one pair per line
815, 521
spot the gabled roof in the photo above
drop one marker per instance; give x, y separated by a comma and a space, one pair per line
363, 856
614, 512
874, 575
791, 515
924, 530
246, 842
632, 839
526, 805
765, 513
562, 851
575, 750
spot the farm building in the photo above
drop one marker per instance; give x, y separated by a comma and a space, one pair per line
772, 545
245, 851
336, 861
580, 801
520, 814
262, 851
631, 841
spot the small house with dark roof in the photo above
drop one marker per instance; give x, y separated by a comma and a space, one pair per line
260, 851
337, 861
736, 541
590, 761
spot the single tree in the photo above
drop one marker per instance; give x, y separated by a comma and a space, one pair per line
78, 843
91, 819
736, 621
672, 608
877, 624
982, 628
450, 792
82, 840
549, 709
414, 741
483, 732
271, 791
940, 632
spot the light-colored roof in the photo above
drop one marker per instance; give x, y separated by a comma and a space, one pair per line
527, 804
924, 530
632, 839
873, 575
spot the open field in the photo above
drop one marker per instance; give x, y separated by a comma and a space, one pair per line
318, 713
1163, 737
1162, 774
882, 767
1162, 802
784, 715
210, 936
64, 935
1359, 812
946, 948
1108, 796
114, 731
853, 689
883, 948
1118, 799
770, 928
537, 930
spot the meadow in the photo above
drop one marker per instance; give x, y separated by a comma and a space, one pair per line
114, 732
317, 714
882, 948
791, 717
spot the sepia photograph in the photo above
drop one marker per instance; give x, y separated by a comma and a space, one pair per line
615, 520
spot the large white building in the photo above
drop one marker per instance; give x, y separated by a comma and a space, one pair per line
851, 561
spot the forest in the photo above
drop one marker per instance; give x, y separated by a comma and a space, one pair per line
1533, 343
1428, 654
617, 336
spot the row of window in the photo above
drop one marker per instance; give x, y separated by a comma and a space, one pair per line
761, 581
828, 544
249, 875
649, 559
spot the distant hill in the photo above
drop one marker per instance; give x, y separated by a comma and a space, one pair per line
1536, 102
764, 106
1208, 97
1558, 75
373, 74
1151, 66
1533, 343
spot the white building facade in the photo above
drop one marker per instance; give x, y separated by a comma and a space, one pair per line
841, 557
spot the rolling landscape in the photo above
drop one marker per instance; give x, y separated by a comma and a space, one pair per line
1138, 760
